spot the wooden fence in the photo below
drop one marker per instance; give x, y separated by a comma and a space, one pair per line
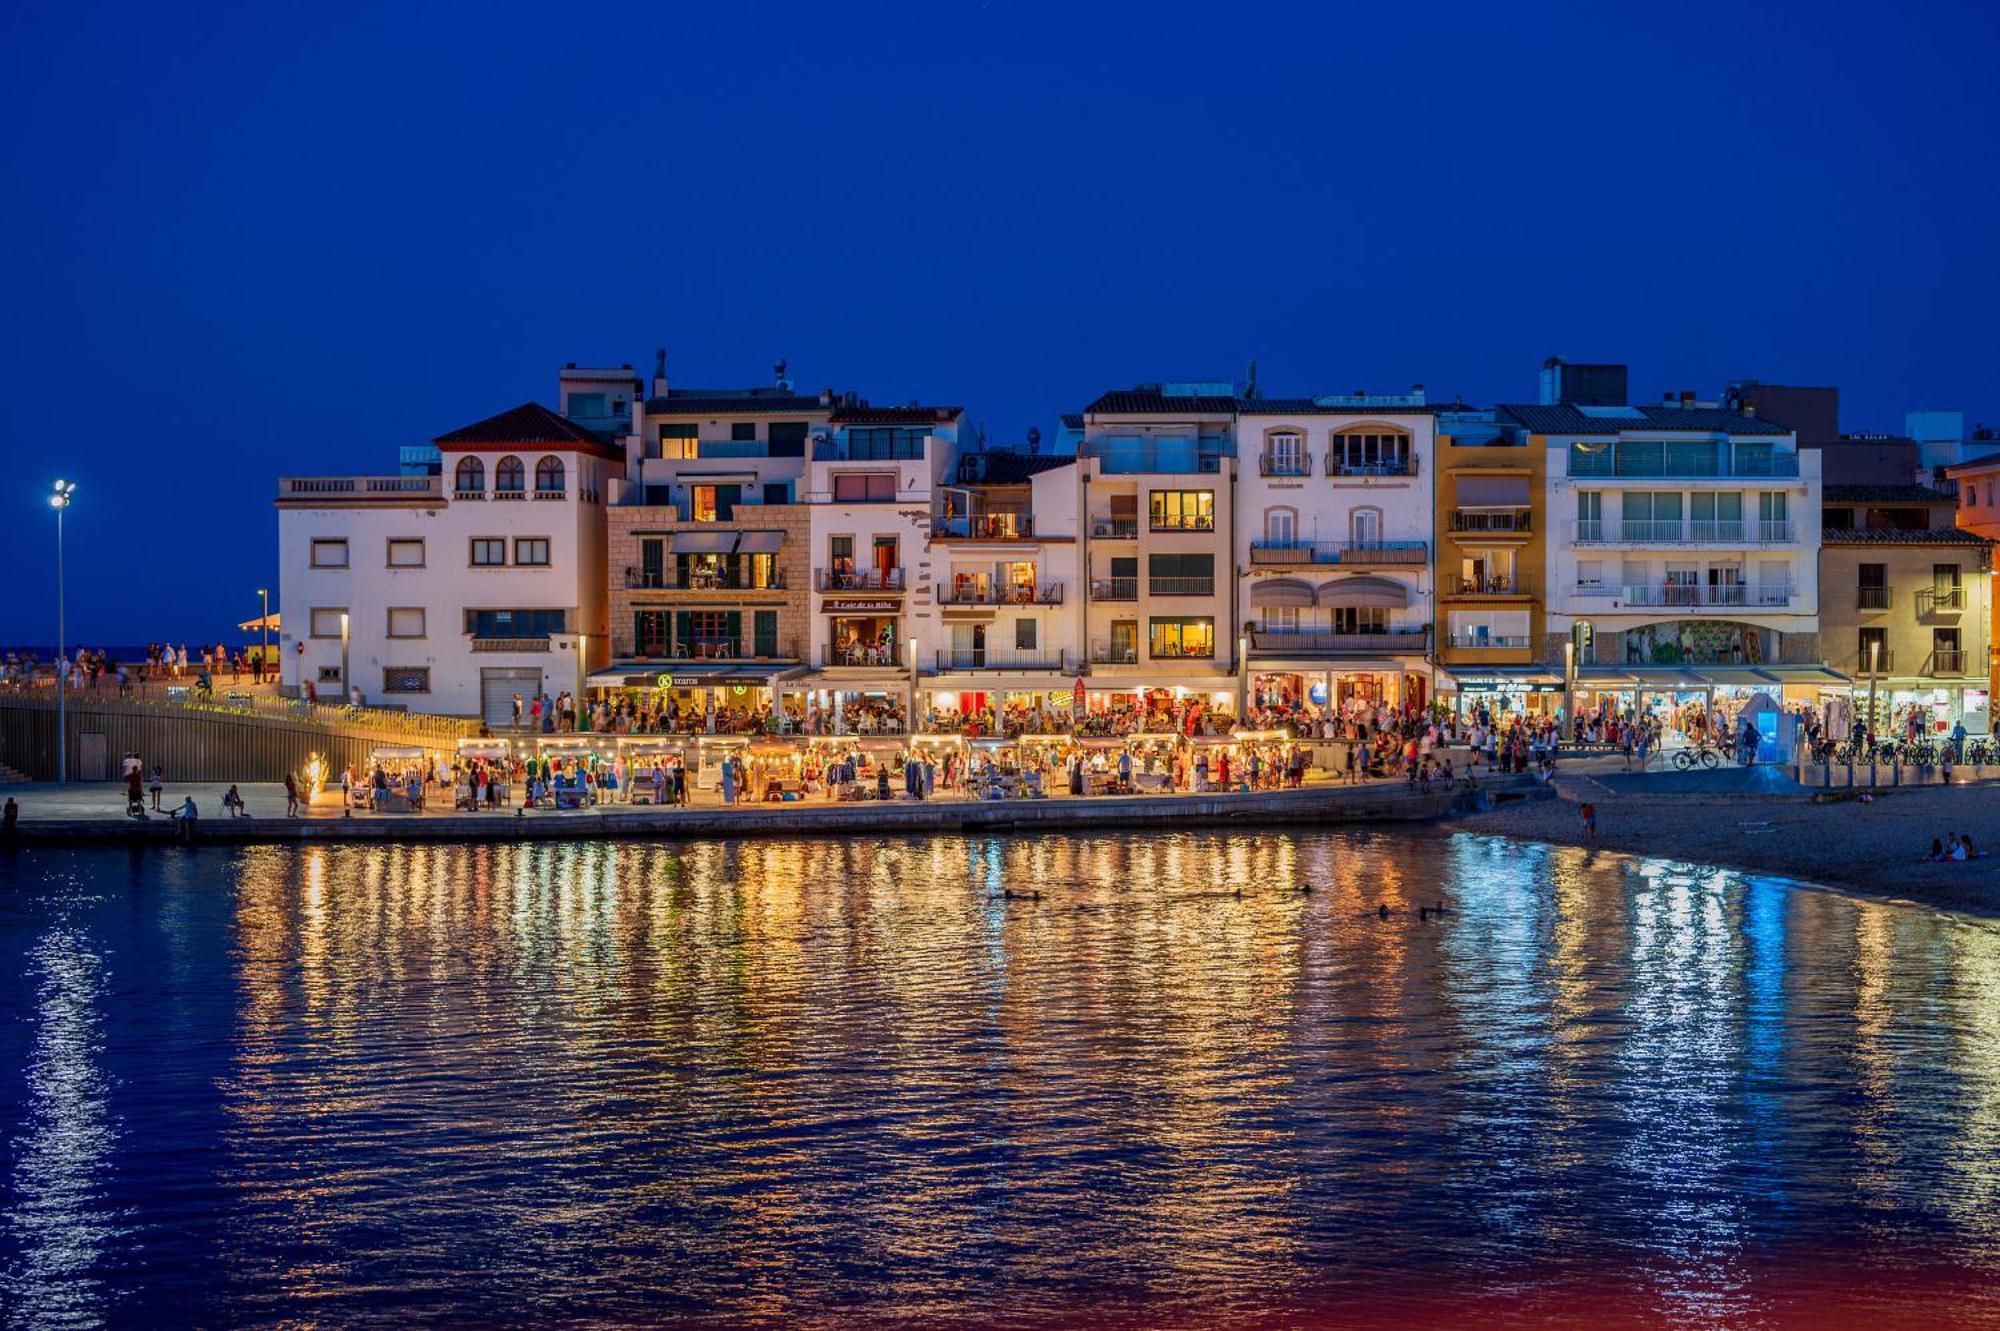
216, 741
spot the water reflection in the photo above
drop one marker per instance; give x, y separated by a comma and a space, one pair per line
854, 1079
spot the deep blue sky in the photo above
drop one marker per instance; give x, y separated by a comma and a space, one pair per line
287, 239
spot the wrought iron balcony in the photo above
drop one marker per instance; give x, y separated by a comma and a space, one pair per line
1338, 552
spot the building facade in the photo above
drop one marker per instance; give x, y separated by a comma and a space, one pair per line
1491, 531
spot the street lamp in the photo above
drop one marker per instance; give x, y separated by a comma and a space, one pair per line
60, 501
1874, 674
264, 628
346, 685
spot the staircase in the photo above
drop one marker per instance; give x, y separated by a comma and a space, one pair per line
10, 776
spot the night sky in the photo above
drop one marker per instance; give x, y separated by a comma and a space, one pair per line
286, 239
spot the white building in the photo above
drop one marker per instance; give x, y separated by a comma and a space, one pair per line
1682, 535
452, 592
1333, 547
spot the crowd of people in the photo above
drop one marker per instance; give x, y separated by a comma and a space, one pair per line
89, 669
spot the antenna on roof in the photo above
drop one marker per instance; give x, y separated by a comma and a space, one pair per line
1034, 439
778, 368
1250, 383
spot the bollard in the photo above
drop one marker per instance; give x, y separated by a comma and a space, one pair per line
1872, 781
1896, 770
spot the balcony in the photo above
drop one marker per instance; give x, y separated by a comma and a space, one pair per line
716, 648
998, 658
1494, 586
878, 656
1114, 529
1268, 465
1352, 553
1945, 662
1337, 466
1872, 598
1489, 641
1676, 531
1107, 653
1865, 662
1492, 521
1621, 462
1940, 600
840, 449
346, 489
985, 527
991, 593
1277, 642
1681, 595
1114, 589
1193, 522
1181, 586
859, 580
664, 579
510, 644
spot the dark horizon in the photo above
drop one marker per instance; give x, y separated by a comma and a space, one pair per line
258, 243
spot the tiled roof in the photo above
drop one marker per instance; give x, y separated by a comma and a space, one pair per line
1072, 420
1650, 418
732, 402
1900, 536
1305, 406
896, 415
529, 423
1887, 494
1152, 402
572, 375
998, 468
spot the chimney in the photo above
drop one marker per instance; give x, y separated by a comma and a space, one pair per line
1667, 399
1749, 407
1687, 397
660, 372
826, 397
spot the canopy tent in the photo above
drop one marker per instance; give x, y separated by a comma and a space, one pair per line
261, 623
1493, 492
1281, 591
1365, 589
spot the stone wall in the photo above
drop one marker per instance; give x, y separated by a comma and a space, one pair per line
631, 524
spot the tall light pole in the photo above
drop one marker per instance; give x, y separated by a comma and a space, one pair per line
264, 627
59, 501
1874, 674
346, 685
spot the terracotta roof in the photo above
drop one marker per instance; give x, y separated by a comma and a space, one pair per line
896, 415
1900, 536
1152, 402
1887, 494
529, 423
1651, 418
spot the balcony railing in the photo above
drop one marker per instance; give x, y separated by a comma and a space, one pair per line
1105, 653
1279, 466
1194, 522
1940, 600
1338, 552
666, 579
1872, 598
840, 449
359, 487
1114, 589
974, 593
713, 648
1181, 586
1491, 520
1706, 594
998, 658
879, 656
1866, 662
510, 644
1282, 642
1494, 586
1615, 463
1338, 466
1676, 531
1946, 661
860, 580
1479, 641
985, 527
1114, 529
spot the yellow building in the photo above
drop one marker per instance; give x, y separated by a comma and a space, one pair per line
1491, 525
1979, 513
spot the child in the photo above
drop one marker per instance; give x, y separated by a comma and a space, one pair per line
1589, 812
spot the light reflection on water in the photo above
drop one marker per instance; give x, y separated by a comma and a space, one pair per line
761, 1081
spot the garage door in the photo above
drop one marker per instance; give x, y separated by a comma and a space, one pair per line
497, 687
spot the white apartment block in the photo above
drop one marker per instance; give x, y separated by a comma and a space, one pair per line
453, 587
1681, 534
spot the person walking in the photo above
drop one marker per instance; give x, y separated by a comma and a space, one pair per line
291, 795
517, 708
154, 784
1589, 812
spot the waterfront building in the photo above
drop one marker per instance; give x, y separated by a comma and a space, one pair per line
1686, 562
1490, 534
710, 551
1003, 553
872, 478
1906, 605
1978, 485
1157, 469
1332, 547
459, 584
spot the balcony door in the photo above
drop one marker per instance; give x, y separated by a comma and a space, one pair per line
968, 645
1280, 527
1287, 455
1366, 525
885, 559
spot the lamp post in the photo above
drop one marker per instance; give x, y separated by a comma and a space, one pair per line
346, 684
264, 628
1874, 675
59, 501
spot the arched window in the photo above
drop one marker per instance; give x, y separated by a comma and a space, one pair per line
1370, 450
509, 477
1281, 528
549, 476
471, 476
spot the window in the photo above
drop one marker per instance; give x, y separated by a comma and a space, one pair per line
1946, 658
1024, 635
1181, 575
1173, 639
1280, 524
515, 623
406, 552
1369, 453
785, 439
1872, 652
764, 625
329, 554
840, 553
549, 478
326, 621
329, 674
406, 621
1183, 510
1590, 577
510, 477
1284, 454
531, 551
1872, 587
406, 679
470, 477
1366, 526
1278, 618
676, 441
489, 551
777, 492
1360, 619
865, 487
743, 432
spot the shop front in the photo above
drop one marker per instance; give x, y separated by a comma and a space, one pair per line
1526, 693
736, 699
995, 705
1124, 707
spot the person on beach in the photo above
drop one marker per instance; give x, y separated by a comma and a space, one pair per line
232, 800
1589, 812
10, 817
154, 784
291, 795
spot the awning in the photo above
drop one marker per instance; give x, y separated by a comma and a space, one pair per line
1365, 590
760, 543
269, 621
625, 677
705, 542
1493, 492
1804, 674
1735, 676
1488, 679
1281, 591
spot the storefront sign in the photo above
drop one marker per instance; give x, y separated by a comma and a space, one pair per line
833, 607
1504, 686
666, 681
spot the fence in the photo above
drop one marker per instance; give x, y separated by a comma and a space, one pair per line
1893, 766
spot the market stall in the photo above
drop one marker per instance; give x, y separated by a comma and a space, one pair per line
482, 776
1156, 756
774, 770
651, 763
395, 780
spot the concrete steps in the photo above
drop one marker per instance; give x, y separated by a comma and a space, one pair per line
12, 777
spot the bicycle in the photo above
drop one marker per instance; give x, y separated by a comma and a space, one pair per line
1686, 760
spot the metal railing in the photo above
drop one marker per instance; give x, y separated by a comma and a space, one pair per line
1946, 661
711, 648
840, 449
998, 658
1196, 522
1491, 520
1495, 586
1338, 552
1114, 529
993, 593
1338, 466
1114, 589
1499, 641
1613, 463
1286, 642
1105, 653
510, 644
1866, 662
1939, 600
1706, 594
986, 527
666, 579
1872, 598
1677, 531
1181, 586
883, 656
1268, 465
859, 580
